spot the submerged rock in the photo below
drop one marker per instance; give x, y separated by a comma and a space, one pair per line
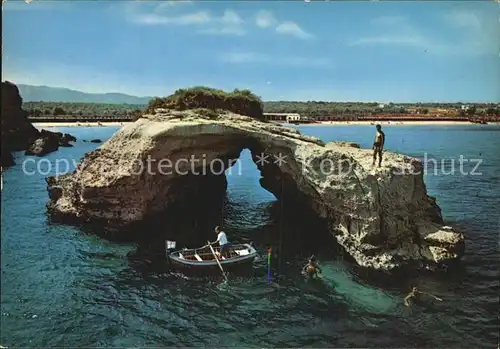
382, 217
95, 141
65, 140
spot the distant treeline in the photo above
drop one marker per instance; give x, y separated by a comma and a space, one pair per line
82, 110
48, 111
326, 109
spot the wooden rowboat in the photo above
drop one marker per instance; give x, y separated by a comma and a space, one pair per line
241, 255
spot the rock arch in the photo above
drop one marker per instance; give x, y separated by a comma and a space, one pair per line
384, 218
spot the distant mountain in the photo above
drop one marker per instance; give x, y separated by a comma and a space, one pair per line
31, 93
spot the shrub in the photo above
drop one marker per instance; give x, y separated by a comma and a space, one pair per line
136, 114
242, 102
58, 111
209, 113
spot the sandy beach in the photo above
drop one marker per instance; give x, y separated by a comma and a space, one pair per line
437, 122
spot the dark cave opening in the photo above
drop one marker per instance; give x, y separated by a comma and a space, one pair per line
292, 229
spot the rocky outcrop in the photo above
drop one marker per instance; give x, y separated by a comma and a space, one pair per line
382, 217
7, 158
43, 146
65, 140
49, 142
17, 132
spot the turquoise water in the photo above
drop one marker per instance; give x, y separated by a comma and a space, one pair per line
63, 287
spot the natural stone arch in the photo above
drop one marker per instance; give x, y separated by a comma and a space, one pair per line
382, 218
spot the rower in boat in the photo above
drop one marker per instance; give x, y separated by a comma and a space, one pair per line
223, 243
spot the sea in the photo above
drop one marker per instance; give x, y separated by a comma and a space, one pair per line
65, 287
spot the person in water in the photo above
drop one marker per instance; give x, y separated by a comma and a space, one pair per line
312, 268
378, 145
414, 295
223, 242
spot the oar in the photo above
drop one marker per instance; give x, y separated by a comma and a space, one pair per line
436, 298
217, 260
269, 265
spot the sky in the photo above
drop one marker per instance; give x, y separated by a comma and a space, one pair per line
383, 51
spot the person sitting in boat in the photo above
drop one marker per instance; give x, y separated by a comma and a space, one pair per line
312, 268
223, 243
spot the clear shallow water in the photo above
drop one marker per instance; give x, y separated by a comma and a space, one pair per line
61, 287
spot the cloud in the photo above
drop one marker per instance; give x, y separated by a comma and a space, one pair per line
393, 40
463, 19
229, 23
186, 19
474, 35
167, 5
173, 13
231, 17
479, 30
278, 60
264, 19
415, 41
244, 57
238, 31
293, 29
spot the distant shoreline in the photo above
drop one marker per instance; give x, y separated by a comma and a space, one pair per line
388, 122
80, 124
319, 123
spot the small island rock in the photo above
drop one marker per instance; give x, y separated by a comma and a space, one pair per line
383, 218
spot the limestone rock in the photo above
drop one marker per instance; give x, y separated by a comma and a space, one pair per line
383, 217
342, 144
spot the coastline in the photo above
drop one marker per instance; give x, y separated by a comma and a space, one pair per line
386, 122
319, 123
79, 124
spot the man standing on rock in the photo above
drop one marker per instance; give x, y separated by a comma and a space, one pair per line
378, 145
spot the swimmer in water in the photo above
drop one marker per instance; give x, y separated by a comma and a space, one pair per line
312, 269
415, 295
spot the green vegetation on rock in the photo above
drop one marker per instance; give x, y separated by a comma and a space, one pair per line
242, 102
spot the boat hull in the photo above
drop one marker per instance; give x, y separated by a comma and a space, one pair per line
184, 260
